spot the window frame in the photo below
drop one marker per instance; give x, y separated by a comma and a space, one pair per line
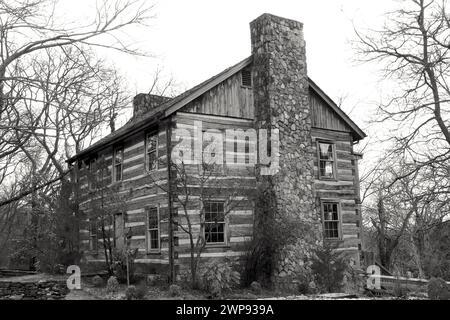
339, 221
225, 223
92, 183
147, 152
114, 164
219, 170
148, 229
319, 160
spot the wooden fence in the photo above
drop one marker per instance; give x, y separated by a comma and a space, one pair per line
413, 284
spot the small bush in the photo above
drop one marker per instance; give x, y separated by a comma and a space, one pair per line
112, 285
437, 289
141, 290
131, 293
97, 281
120, 264
255, 287
219, 277
174, 290
328, 267
304, 279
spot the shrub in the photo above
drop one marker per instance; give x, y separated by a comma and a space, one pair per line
304, 279
131, 293
112, 285
219, 277
273, 232
437, 289
97, 281
154, 279
255, 287
328, 267
120, 264
174, 290
141, 290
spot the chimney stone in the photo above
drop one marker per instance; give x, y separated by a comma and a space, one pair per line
144, 102
281, 101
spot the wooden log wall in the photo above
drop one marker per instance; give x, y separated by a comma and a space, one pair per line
234, 184
229, 98
343, 189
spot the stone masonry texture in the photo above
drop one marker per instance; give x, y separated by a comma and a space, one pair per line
282, 102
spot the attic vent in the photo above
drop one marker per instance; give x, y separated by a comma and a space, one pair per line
246, 77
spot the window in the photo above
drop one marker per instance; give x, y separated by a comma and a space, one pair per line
118, 165
152, 151
247, 150
152, 229
214, 222
331, 223
93, 236
326, 160
92, 176
246, 77
212, 152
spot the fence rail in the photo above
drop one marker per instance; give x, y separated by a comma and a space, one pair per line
414, 284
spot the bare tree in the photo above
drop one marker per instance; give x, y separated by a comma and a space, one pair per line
53, 90
413, 47
103, 203
191, 186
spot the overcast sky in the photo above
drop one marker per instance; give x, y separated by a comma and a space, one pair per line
194, 40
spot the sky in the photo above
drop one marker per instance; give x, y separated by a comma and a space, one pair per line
194, 40
191, 41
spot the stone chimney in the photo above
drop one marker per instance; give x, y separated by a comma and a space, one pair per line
144, 102
281, 99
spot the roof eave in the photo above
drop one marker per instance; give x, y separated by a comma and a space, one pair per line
358, 134
131, 131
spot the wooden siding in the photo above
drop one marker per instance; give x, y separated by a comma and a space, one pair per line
229, 98
343, 189
139, 191
234, 185
323, 116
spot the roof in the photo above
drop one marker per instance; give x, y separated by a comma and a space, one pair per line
163, 110
358, 134
171, 106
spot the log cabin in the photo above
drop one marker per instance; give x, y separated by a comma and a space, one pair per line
316, 179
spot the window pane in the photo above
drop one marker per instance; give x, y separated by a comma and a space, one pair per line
152, 142
153, 218
118, 171
326, 168
208, 232
331, 220
151, 158
119, 156
153, 239
326, 151
214, 221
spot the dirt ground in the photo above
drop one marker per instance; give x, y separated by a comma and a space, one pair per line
89, 292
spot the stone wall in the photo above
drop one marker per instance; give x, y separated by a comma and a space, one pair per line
144, 102
281, 99
35, 290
